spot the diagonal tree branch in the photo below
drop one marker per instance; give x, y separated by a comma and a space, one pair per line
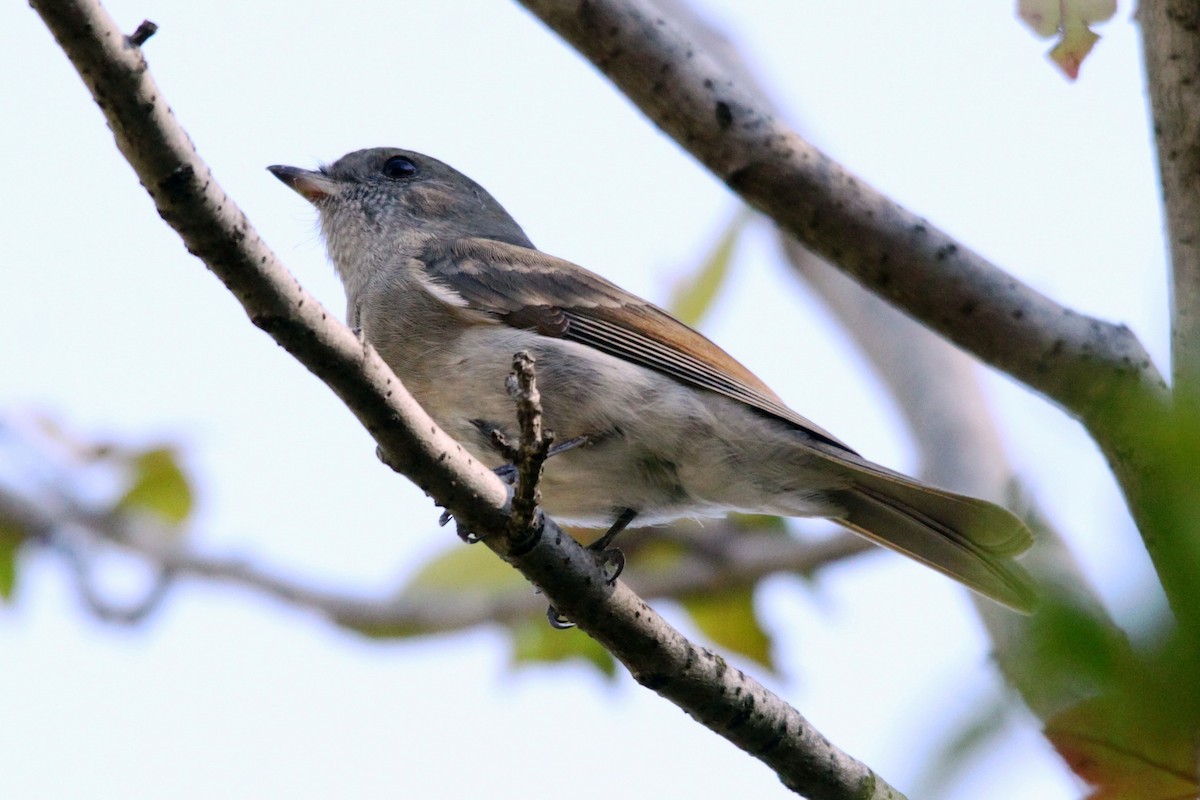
937, 391
214, 229
1078, 361
1097, 371
1171, 47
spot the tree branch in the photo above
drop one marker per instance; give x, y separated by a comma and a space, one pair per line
1080, 362
1171, 48
722, 556
215, 230
1096, 370
936, 388
937, 391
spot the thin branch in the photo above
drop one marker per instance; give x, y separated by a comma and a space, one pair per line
143, 33
213, 228
1171, 47
530, 454
720, 556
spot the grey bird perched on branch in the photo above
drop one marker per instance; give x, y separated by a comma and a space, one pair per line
447, 287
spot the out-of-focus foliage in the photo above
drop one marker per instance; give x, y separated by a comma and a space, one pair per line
728, 620
1071, 20
534, 640
159, 485
1137, 741
10, 542
694, 294
57, 481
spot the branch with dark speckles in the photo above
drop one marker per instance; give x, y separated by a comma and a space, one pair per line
1080, 362
529, 456
1171, 47
215, 230
1096, 370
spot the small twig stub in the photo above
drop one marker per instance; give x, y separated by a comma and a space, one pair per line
533, 448
143, 33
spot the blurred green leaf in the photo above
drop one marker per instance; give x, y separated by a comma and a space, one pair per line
459, 575
534, 641
1125, 753
463, 568
654, 554
727, 618
159, 486
11, 539
1069, 648
1170, 500
695, 294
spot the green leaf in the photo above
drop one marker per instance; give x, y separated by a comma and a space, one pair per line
534, 641
462, 568
728, 620
695, 294
1168, 496
459, 575
1124, 753
159, 486
11, 539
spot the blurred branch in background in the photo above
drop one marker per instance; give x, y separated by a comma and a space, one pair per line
57, 515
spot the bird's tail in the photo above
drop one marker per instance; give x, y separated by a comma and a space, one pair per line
970, 540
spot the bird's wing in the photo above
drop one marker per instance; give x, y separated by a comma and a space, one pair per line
528, 289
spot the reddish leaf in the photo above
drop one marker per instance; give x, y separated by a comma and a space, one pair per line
1124, 756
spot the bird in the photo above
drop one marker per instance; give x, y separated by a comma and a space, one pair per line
447, 287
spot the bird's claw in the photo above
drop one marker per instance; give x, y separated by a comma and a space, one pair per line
612, 563
557, 620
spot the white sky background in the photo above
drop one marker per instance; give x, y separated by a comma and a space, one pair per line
110, 326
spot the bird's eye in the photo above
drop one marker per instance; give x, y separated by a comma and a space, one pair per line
398, 167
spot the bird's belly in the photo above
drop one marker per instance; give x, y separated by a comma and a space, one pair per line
658, 447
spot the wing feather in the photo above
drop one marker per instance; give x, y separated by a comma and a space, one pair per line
560, 299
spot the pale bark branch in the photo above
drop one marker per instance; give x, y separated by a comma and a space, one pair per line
1081, 362
213, 228
937, 391
1097, 371
1171, 48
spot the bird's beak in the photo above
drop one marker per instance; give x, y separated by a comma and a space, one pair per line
312, 186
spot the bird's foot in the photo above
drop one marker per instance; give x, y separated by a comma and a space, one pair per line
508, 472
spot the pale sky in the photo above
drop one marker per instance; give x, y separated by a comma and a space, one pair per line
112, 328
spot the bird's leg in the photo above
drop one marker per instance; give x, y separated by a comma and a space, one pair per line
570, 444
622, 521
612, 561
508, 472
